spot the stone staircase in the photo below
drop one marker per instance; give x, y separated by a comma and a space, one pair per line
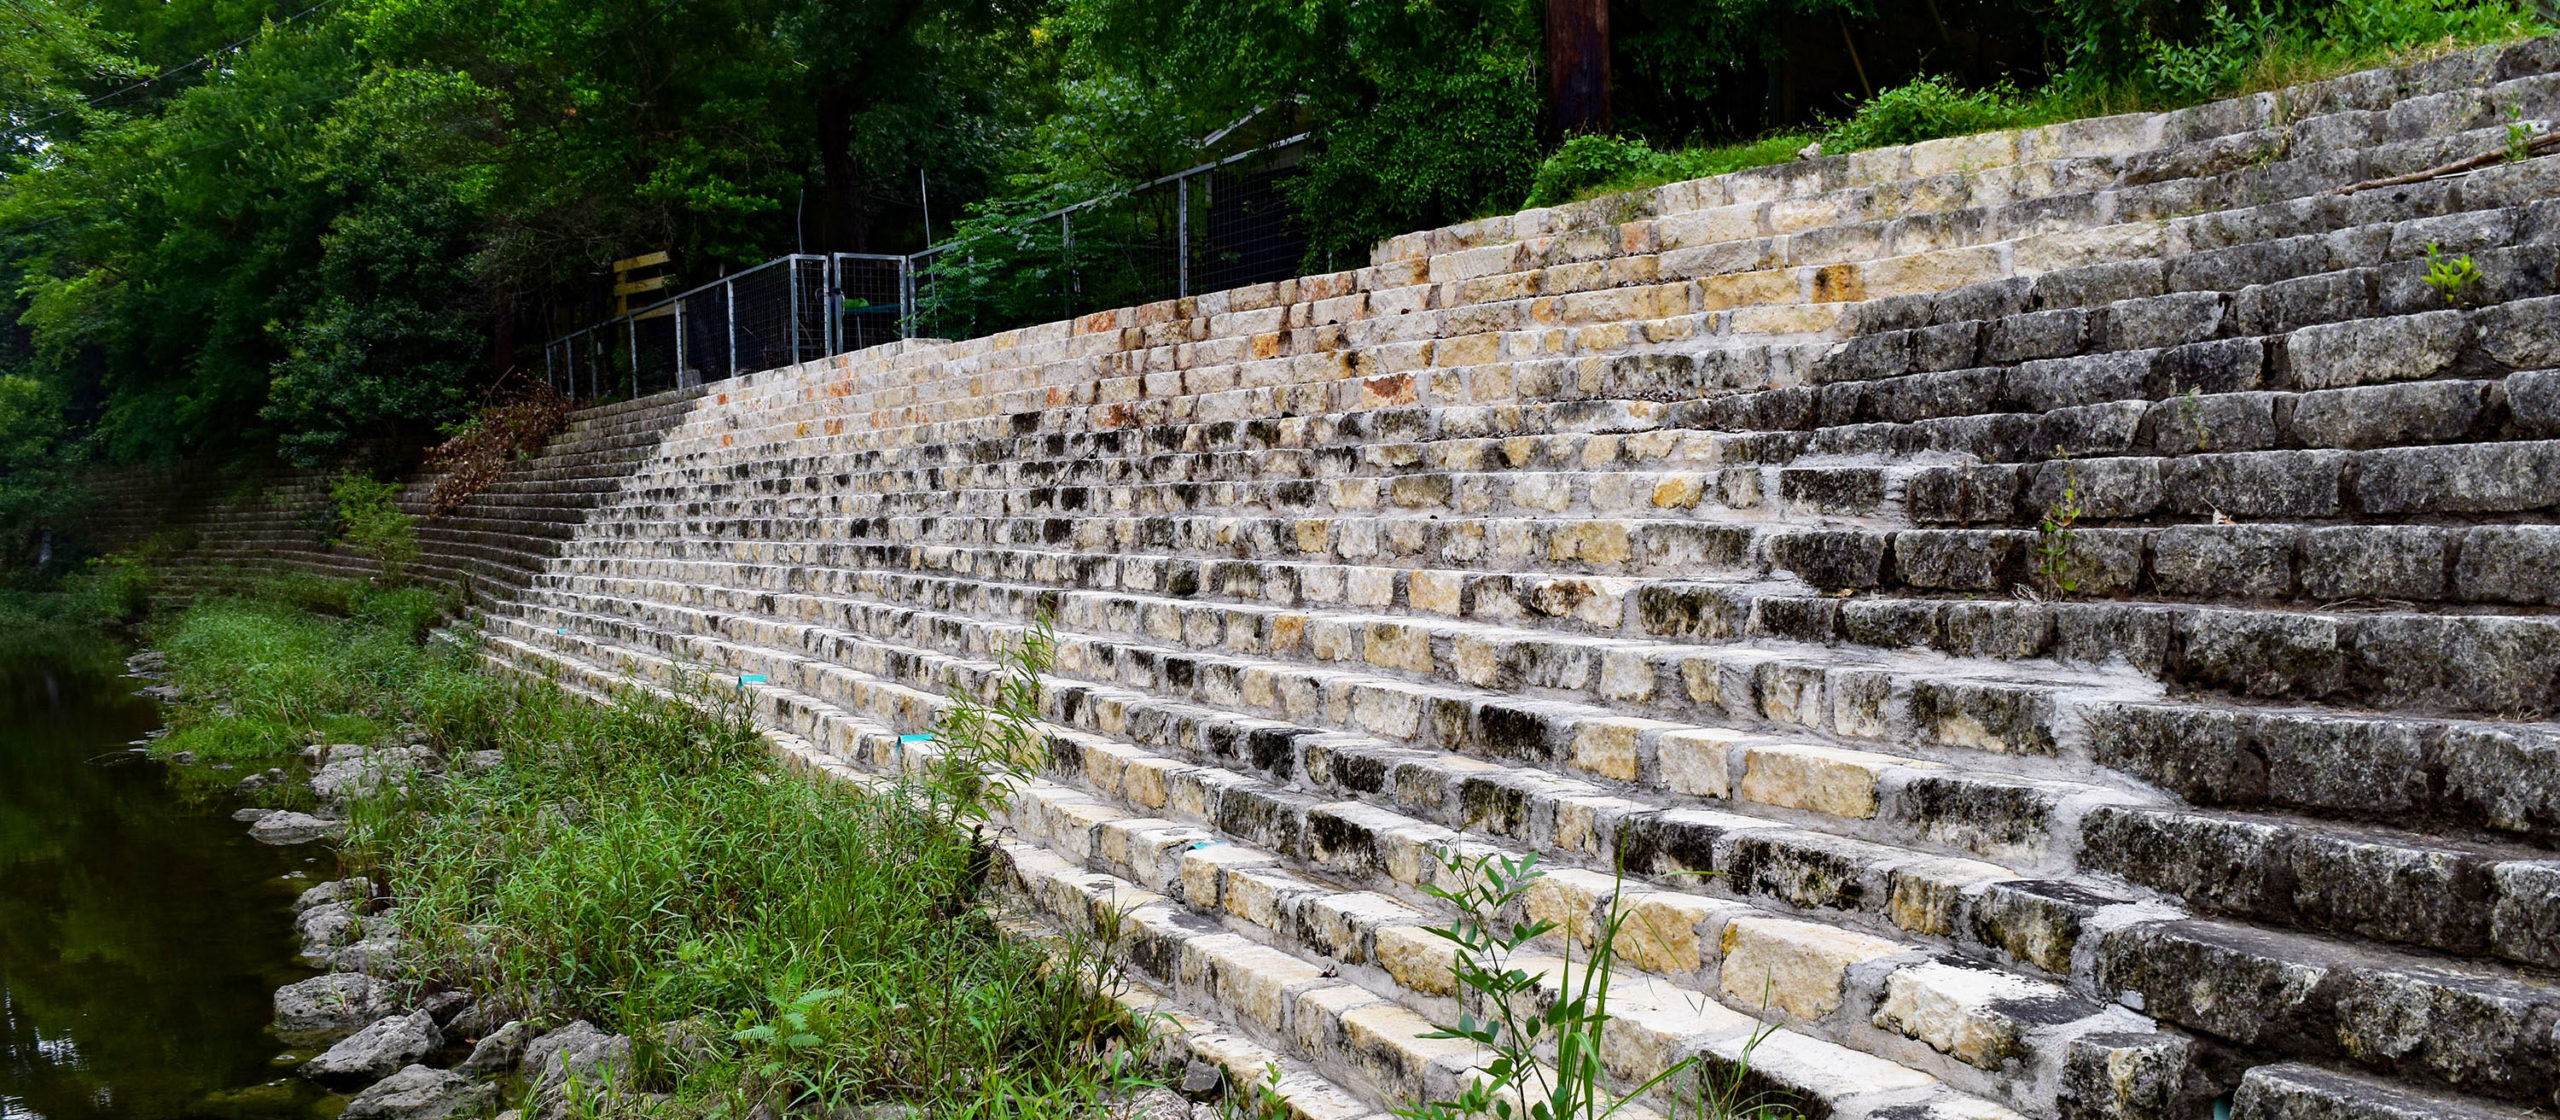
2057, 622
219, 528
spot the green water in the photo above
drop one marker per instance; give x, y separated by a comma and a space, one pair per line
142, 933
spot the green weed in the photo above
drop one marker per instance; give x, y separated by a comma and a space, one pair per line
370, 520
774, 942
1507, 1011
2057, 532
2455, 278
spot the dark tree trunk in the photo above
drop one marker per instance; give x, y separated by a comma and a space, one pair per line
1578, 66
841, 223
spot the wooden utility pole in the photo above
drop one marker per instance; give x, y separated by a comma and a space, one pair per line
1578, 66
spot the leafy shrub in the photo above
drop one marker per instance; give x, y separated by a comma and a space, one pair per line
2232, 43
409, 612
370, 520
1925, 109
1591, 165
1590, 161
111, 590
475, 450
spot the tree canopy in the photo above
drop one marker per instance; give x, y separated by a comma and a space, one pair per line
300, 228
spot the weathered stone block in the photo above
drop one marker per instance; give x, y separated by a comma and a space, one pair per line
2470, 478
2216, 561
2367, 351
2378, 561
2287, 484
2389, 415
2509, 564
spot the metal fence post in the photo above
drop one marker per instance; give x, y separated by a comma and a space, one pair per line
632, 329
791, 283
1182, 236
680, 355
729, 290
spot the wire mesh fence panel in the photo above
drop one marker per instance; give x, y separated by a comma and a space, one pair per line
760, 325
653, 350
871, 300
706, 335
1251, 235
812, 334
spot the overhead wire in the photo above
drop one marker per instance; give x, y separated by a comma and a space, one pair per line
172, 72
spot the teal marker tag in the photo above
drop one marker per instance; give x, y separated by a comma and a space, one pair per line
905, 740
748, 679
564, 631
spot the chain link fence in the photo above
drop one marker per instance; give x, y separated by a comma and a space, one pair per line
1219, 225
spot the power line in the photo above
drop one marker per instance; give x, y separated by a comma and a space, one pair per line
199, 60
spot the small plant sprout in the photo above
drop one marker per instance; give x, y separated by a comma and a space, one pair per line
2455, 278
2055, 534
2191, 406
985, 748
2520, 135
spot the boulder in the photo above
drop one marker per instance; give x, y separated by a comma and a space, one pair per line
373, 956
331, 1007
293, 828
420, 1093
376, 1052
579, 1055
499, 1051
326, 928
360, 775
251, 815
336, 890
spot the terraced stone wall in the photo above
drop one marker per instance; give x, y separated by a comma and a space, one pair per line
205, 527
2080, 596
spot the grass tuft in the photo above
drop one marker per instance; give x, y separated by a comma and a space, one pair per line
775, 943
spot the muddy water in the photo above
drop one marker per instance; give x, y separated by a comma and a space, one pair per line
142, 933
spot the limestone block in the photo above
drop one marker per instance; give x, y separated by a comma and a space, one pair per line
1819, 779
1795, 967
2368, 351
1959, 1011
1696, 760
2382, 561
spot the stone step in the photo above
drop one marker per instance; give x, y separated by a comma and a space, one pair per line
2302, 1092
1246, 889
2370, 656
2388, 886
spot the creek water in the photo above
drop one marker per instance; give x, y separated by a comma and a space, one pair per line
142, 933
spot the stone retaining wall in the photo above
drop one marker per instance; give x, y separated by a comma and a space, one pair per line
2080, 593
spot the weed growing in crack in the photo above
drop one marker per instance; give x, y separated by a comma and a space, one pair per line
983, 748
2057, 532
1547, 1044
2455, 278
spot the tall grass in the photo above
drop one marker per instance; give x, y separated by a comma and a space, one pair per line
774, 942
2244, 49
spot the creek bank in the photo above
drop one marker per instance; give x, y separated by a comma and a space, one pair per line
386, 1037
380, 1037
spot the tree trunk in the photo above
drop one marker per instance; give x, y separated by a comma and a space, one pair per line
1578, 66
842, 226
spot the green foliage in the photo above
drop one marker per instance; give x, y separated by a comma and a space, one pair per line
1547, 1045
1434, 145
2520, 135
982, 748
1925, 109
646, 864
2162, 53
1590, 165
113, 590
371, 520
2059, 530
2456, 278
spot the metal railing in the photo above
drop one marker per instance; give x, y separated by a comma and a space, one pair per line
775, 314
1143, 244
